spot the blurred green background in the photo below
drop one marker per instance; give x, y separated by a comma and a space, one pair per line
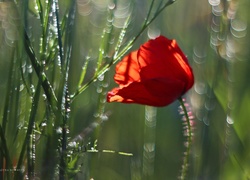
214, 35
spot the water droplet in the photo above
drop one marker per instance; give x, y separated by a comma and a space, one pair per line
111, 6
72, 144
103, 100
215, 29
217, 10
32, 88
214, 2
99, 89
96, 115
44, 124
149, 147
44, 97
214, 41
105, 84
29, 69
21, 87
101, 77
238, 28
153, 33
199, 55
59, 130
200, 88
104, 117
229, 120
84, 7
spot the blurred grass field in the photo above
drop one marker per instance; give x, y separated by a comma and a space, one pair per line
83, 137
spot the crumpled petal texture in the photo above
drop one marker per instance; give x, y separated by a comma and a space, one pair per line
157, 74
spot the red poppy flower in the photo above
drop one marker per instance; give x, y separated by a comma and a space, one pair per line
157, 74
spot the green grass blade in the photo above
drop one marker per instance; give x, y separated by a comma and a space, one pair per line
38, 69
101, 52
7, 96
59, 35
67, 28
106, 36
84, 70
149, 12
5, 151
40, 11
26, 142
121, 38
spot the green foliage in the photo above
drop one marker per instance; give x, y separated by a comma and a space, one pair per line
57, 63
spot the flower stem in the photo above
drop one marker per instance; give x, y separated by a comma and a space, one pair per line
189, 141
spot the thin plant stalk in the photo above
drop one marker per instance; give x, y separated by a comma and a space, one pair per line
59, 35
188, 143
49, 92
149, 142
65, 61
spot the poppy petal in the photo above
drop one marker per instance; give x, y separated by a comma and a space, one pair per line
154, 51
156, 71
164, 57
127, 70
154, 92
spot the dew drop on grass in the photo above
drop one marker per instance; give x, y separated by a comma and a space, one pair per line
72, 144
32, 88
21, 87
101, 78
149, 147
98, 89
68, 110
229, 120
29, 69
105, 84
44, 97
96, 115
104, 117
103, 100
44, 124
70, 152
59, 130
